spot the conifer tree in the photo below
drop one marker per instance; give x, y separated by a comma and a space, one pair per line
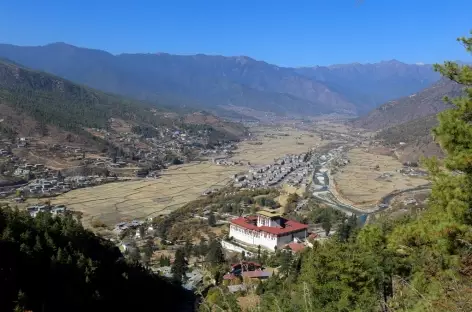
179, 267
215, 253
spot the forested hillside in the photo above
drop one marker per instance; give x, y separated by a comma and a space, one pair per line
34, 101
52, 100
53, 264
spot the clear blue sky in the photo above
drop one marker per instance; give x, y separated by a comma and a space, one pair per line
282, 32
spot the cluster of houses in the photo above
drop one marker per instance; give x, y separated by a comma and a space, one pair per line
227, 162
385, 176
54, 210
246, 269
224, 150
290, 168
46, 186
412, 172
123, 226
4, 152
54, 184
146, 150
25, 170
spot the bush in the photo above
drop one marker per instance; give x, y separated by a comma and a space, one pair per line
96, 223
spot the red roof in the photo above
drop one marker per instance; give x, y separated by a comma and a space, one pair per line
288, 227
296, 247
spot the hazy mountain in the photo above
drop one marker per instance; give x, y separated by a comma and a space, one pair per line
369, 85
216, 81
426, 102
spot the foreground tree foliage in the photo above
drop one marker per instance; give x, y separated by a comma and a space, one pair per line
54, 264
417, 263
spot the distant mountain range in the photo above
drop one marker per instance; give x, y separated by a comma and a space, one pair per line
217, 83
369, 85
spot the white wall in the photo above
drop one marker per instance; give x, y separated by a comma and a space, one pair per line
252, 237
241, 234
263, 239
267, 241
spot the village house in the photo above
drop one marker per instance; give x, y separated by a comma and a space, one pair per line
267, 229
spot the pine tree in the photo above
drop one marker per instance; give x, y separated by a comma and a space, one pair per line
164, 261
179, 267
285, 262
454, 134
326, 225
347, 228
452, 192
438, 243
215, 253
202, 248
188, 248
211, 219
142, 232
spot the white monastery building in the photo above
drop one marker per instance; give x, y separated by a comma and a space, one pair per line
267, 229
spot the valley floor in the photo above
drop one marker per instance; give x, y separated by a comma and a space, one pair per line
178, 185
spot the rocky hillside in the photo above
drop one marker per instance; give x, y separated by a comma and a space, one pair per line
424, 103
216, 82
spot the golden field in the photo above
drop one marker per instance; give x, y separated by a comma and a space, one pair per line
120, 201
359, 183
275, 143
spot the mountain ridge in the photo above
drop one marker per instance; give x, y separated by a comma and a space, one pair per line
213, 81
